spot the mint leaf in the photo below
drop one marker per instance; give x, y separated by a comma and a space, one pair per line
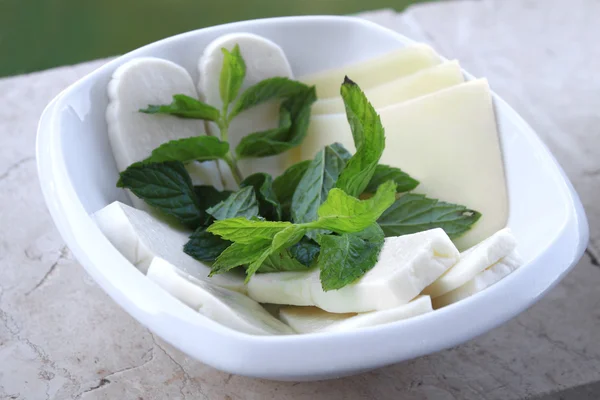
185, 107
285, 185
196, 148
265, 90
232, 75
268, 205
282, 261
369, 139
242, 203
294, 118
288, 237
343, 213
346, 258
166, 186
385, 173
285, 238
318, 179
305, 251
208, 196
238, 254
255, 265
245, 231
204, 246
413, 213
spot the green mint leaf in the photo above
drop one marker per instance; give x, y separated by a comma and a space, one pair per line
342, 152
283, 239
208, 196
238, 254
268, 204
385, 173
204, 246
413, 213
287, 237
245, 231
343, 213
318, 179
282, 261
185, 107
346, 258
166, 186
242, 203
265, 90
196, 148
232, 75
305, 251
255, 265
285, 185
369, 139
294, 118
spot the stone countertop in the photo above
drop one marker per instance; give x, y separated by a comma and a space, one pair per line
61, 337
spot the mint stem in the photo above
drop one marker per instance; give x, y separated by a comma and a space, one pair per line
230, 158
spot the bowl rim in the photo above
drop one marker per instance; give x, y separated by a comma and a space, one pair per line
70, 219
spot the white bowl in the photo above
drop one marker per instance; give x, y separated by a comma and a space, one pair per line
78, 175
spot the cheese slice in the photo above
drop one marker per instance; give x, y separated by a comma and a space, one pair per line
140, 237
313, 319
448, 141
406, 265
264, 59
473, 261
132, 134
481, 281
422, 82
375, 71
224, 306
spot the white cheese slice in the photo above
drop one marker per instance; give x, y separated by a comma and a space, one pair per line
264, 59
140, 237
481, 281
313, 319
448, 140
422, 82
224, 306
406, 265
132, 134
375, 71
473, 261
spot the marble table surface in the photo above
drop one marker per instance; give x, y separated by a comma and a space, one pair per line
61, 337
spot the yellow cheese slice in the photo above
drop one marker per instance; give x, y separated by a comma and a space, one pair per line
423, 82
375, 71
448, 140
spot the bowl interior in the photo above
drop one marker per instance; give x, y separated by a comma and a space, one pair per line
536, 204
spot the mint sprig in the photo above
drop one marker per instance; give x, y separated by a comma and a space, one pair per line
340, 213
330, 213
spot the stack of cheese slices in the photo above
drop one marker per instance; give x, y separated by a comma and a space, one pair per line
439, 128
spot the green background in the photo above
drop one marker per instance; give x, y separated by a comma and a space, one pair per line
40, 34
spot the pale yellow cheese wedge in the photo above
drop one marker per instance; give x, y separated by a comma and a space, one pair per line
448, 140
313, 319
423, 82
375, 71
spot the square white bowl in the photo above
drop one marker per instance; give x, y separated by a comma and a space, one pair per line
78, 175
